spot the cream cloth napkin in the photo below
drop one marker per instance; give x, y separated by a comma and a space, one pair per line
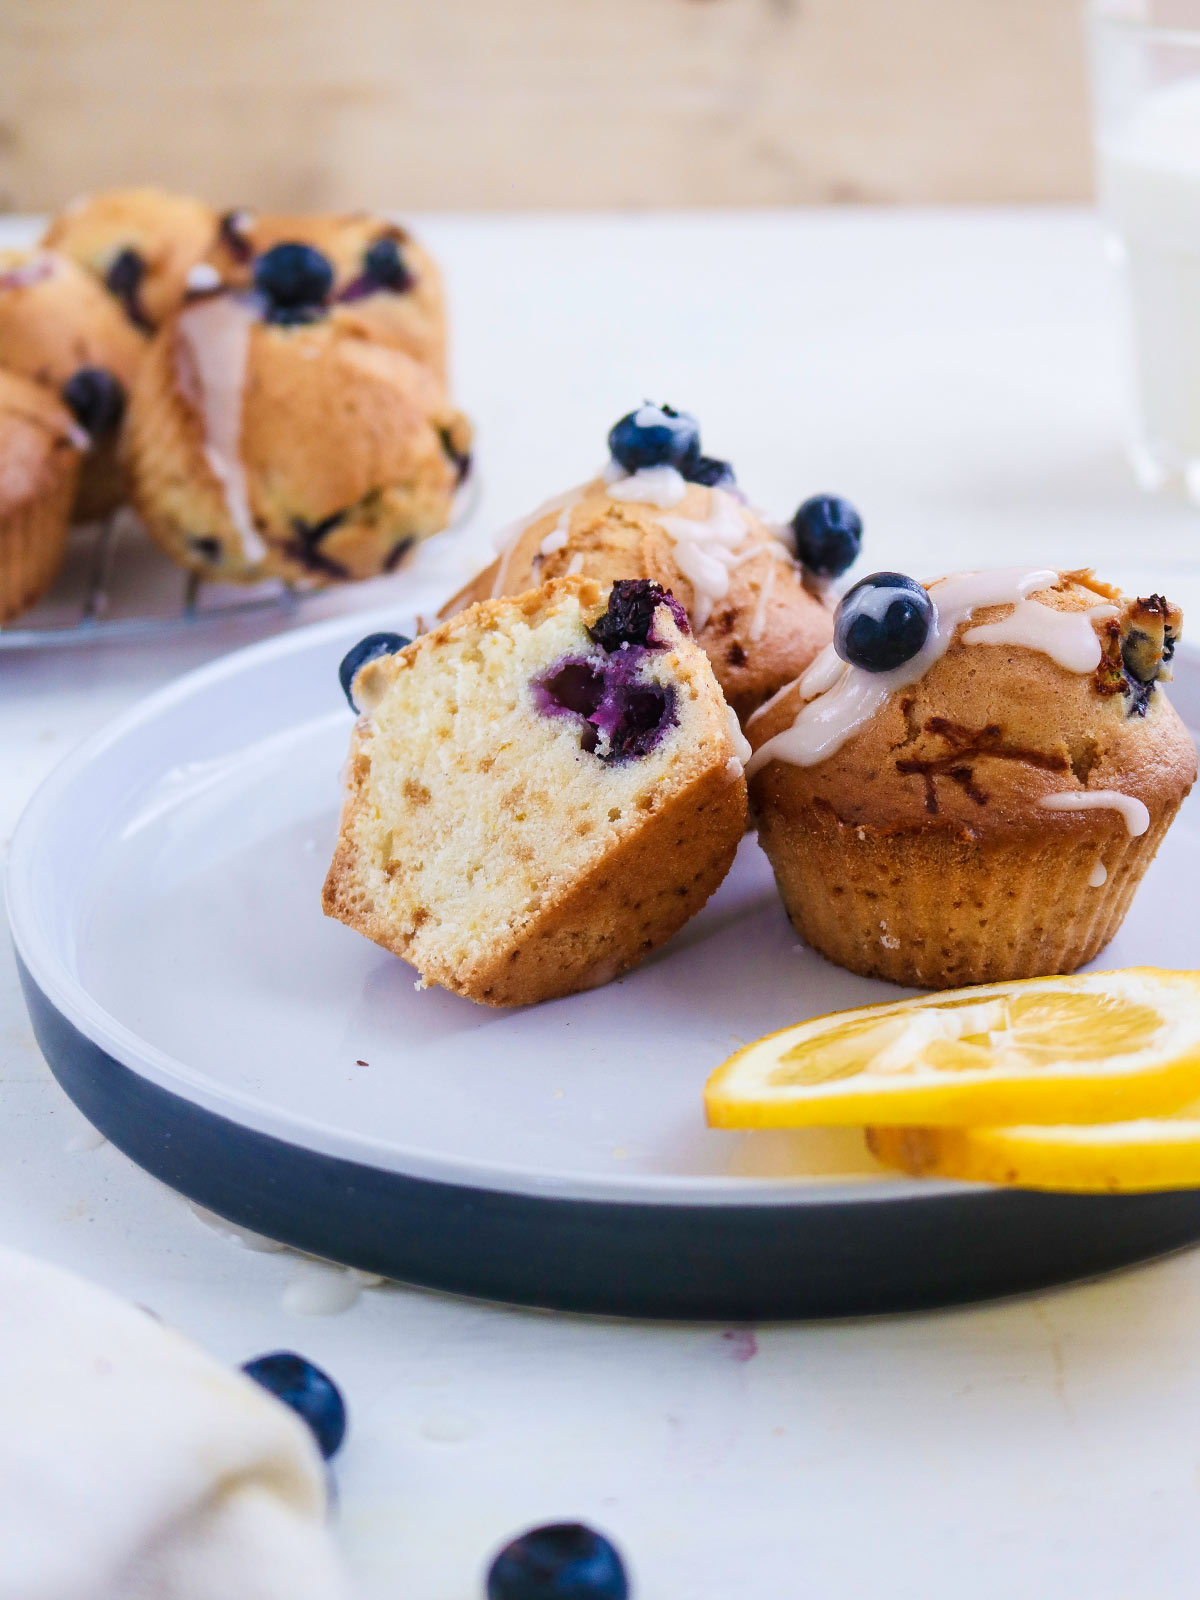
135, 1467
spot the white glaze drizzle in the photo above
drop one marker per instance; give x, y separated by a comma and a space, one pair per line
509, 537
707, 551
1067, 637
652, 486
739, 741
575, 565
1099, 876
203, 278
759, 620
841, 698
557, 537
1137, 817
216, 334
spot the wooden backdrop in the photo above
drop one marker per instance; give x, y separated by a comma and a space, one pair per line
521, 103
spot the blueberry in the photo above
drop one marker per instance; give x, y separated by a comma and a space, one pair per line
634, 716
711, 472
96, 398
629, 619
882, 622
655, 436
368, 649
385, 267
828, 533
574, 685
311, 1393
562, 1561
123, 280
295, 280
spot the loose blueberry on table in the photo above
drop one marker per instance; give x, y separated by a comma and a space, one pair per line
882, 622
828, 534
311, 1394
655, 436
294, 280
368, 649
561, 1561
96, 399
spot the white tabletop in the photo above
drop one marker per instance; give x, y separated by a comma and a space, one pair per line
958, 376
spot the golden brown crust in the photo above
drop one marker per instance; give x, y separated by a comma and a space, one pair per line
413, 320
587, 929
597, 928
920, 851
55, 319
337, 434
169, 232
39, 469
755, 641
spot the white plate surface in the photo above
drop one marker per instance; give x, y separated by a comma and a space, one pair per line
164, 890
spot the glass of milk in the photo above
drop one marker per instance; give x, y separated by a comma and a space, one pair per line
1146, 97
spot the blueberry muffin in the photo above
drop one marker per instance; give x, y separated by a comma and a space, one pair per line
58, 327
540, 792
41, 449
663, 511
265, 441
384, 286
140, 243
969, 783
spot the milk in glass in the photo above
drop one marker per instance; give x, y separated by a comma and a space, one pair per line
1149, 177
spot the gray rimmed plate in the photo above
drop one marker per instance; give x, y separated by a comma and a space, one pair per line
163, 891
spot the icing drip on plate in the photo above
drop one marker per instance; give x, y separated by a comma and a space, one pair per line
216, 335
841, 698
1137, 817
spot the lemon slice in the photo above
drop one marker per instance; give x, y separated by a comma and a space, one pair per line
1096, 1047
1103, 1158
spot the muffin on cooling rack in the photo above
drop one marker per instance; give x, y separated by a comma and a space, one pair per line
540, 792
266, 441
41, 449
59, 327
661, 510
140, 243
385, 285
969, 783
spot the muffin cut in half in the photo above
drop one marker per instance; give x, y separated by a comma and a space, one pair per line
540, 792
984, 808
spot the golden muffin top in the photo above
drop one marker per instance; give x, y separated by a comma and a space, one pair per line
1030, 685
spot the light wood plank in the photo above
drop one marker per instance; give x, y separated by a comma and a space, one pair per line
529, 103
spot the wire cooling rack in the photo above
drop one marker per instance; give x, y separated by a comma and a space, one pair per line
116, 584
